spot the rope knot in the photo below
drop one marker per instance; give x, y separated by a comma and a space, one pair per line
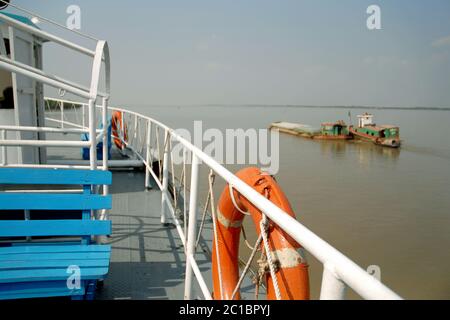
264, 268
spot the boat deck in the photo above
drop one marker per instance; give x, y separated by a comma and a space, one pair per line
147, 257
147, 260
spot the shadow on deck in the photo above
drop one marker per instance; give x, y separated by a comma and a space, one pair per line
147, 259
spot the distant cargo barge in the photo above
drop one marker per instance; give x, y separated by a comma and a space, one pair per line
366, 130
328, 130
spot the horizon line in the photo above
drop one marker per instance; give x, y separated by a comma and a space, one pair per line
293, 106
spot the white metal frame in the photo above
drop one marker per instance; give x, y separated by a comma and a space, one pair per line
101, 59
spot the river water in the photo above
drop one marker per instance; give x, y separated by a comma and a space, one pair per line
379, 206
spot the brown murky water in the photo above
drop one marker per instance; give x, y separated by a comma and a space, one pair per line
379, 206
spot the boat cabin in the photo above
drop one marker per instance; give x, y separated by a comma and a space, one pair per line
21, 98
387, 132
367, 126
365, 119
337, 128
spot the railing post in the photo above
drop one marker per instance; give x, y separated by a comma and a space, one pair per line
148, 153
61, 107
83, 115
4, 155
105, 148
165, 178
105, 134
332, 287
184, 193
135, 132
192, 227
92, 135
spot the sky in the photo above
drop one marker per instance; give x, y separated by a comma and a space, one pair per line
278, 52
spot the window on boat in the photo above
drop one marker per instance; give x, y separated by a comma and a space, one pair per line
6, 90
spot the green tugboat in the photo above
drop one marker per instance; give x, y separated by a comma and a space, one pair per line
384, 135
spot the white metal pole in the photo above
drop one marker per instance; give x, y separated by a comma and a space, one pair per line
3, 137
105, 149
38, 75
92, 135
200, 280
61, 106
192, 227
43, 129
46, 35
105, 134
134, 144
332, 287
165, 180
44, 143
83, 115
184, 194
148, 152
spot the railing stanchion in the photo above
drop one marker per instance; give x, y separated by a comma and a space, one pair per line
61, 106
184, 196
165, 178
192, 226
332, 287
83, 115
92, 136
4, 156
105, 135
147, 157
135, 136
105, 148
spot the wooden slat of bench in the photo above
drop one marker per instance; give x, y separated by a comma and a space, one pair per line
27, 248
54, 176
52, 264
22, 290
10, 276
36, 228
29, 201
55, 256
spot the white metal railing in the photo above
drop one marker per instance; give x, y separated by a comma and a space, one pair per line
150, 140
100, 58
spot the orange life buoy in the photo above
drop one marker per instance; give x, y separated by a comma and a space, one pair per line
119, 129
292, 272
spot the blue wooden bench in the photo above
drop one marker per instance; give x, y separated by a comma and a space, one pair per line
49, 247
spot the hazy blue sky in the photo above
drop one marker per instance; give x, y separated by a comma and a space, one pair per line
313, 52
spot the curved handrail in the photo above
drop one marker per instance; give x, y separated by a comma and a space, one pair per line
338, 269
101, 55
345, 269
